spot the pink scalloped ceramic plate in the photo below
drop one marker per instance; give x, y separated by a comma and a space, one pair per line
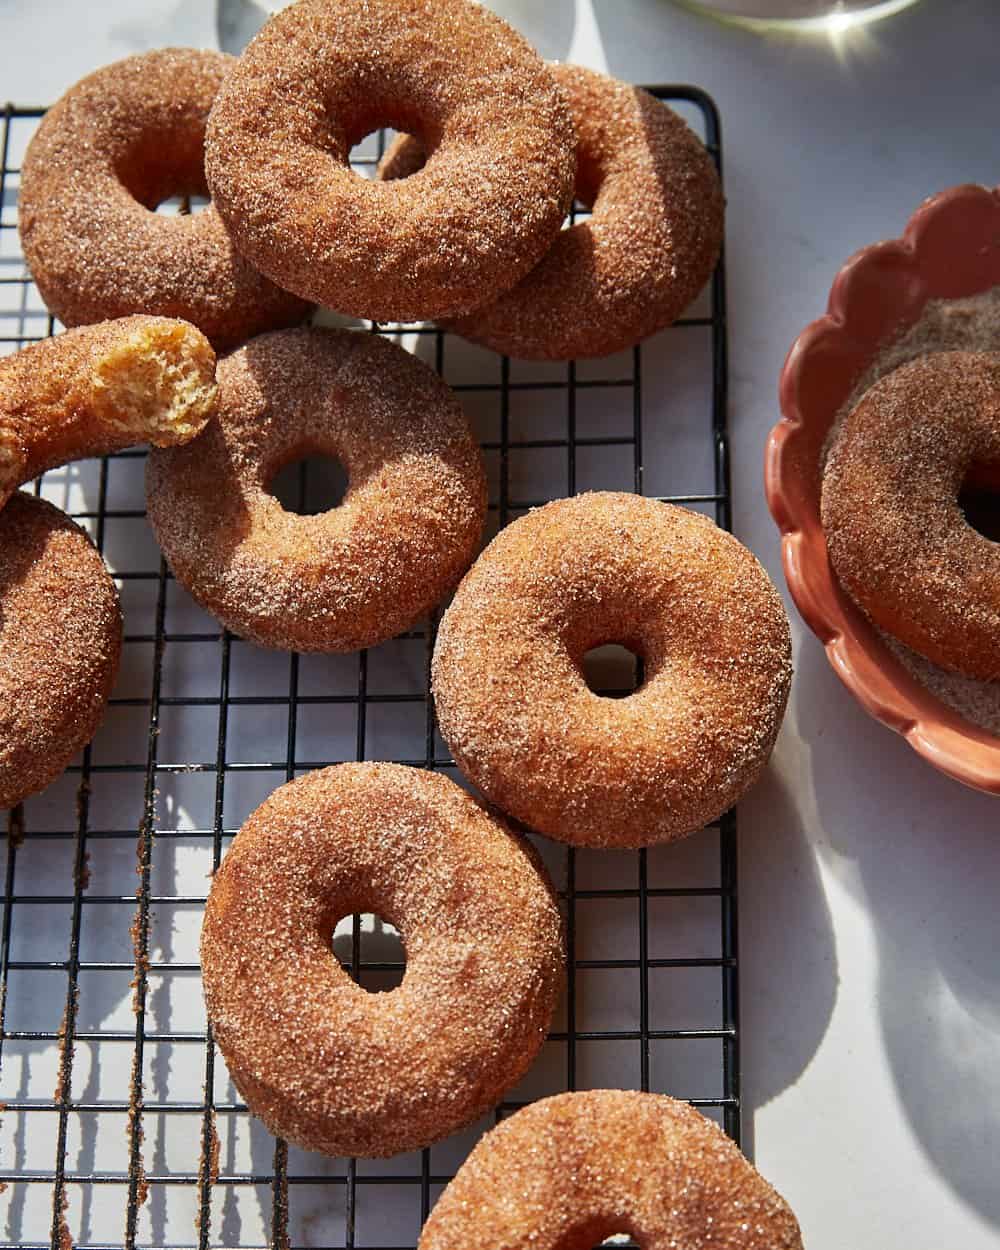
950, 249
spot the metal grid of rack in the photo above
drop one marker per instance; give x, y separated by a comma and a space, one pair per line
120, 1127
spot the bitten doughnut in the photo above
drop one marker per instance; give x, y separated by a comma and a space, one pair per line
60, 641
631, 268
897, 537
513, 703
320, 76
99, 389
359, 573
567, 1172
121, 141
320, 1060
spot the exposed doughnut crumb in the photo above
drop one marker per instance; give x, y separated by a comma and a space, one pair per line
321, 1061
60, 643
512, 699
359, 573
635, 264
567, 1172
119, 142
320, 76
897, 537
99, 389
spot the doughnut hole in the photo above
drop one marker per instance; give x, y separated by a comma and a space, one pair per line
365, 156
166, 168
183, 204
600, 1231
158, 384
612, 671
979, 500
310, 484
381, 953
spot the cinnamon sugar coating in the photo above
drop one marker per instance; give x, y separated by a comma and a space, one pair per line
99, 389
60, 642
119, 142
320, 76
321, 1061
511, 696
631, 268
406, 530
569, 1171
897, 537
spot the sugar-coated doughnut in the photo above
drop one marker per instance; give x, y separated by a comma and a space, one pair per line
121, 141
632, 267
321, 1061
570, 1171
897, 537
99, 389
60, 642
513, 703
359, 573
320, 76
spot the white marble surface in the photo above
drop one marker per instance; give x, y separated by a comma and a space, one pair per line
870, 988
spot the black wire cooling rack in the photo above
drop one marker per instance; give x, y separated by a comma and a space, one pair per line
120, 1127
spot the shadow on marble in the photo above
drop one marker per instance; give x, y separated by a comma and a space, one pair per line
929, 880
788, 959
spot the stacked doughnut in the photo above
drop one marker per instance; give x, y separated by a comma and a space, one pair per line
909, 447
462, 225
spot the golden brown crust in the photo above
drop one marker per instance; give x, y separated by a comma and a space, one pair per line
99, 389
324, 73
513, 703
897, 538
649, 247
118, 143
569, 1171
318, 1059
60, 642
405, 532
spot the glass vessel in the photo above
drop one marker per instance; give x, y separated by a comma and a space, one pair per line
829, 15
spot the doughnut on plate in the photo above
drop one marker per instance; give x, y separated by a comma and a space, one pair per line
950, 249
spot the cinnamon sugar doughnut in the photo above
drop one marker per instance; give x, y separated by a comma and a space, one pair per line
511, 696
569, 1171
406, 530
320, 76
118, 143
897, 537
60, 642
631, 268
321, 1061
99, 389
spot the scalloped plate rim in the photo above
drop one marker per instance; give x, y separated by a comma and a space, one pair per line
892, 696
